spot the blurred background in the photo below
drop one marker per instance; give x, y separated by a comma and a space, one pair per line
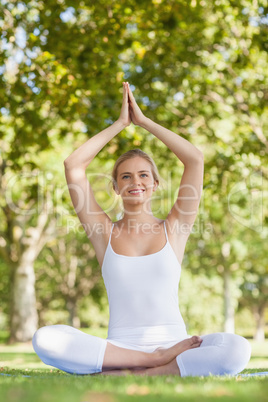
196, 67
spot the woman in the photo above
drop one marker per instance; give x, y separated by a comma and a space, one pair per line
141, 258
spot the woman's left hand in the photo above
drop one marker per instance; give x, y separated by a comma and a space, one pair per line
124, 114
136, 114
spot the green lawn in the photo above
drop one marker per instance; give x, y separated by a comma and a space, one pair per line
48, 384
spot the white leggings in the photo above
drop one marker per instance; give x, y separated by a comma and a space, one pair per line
73, 351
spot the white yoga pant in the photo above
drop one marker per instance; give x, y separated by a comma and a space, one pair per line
73, 351
69, 349
219, 354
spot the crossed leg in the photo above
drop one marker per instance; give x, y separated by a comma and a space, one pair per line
161, 361
219, 354
166, 369
73, 351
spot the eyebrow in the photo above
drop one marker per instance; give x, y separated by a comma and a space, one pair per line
140, 171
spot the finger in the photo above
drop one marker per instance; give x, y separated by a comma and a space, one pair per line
128, 96
126, 87
125, 94
131, 94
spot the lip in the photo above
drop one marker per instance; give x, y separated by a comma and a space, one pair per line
137, 191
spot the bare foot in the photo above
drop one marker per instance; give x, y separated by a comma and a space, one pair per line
123, 372
164, 356
167, 369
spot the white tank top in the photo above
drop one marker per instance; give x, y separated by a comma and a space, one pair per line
143, 296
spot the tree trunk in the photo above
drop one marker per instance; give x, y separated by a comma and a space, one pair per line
74, 320
229, 323
24, 319
260, 324
72, 293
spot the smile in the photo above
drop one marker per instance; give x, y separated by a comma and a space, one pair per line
136, 191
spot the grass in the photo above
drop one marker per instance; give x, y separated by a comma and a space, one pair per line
48, 384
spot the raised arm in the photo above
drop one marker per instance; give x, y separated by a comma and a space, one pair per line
89, 212
186, 206
83, 155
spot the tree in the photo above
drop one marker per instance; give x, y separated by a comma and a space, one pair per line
200, 68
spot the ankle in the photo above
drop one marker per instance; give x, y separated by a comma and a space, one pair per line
152, 359
160, 357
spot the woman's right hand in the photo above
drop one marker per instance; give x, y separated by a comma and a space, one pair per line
137, 117
125, 115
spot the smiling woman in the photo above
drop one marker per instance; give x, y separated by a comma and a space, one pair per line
132, 154
135, 176
140, 256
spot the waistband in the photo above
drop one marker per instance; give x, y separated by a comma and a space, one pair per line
150, 335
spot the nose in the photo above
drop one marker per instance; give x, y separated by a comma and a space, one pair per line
136, 180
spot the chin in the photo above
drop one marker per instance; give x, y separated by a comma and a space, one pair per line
133, 202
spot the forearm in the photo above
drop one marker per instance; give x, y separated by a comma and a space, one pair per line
83, 155
182, 148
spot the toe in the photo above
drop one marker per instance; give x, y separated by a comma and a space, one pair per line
196, 340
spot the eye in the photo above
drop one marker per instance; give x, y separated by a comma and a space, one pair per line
144, 174
125, 176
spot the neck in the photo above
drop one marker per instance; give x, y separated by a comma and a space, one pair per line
136, 215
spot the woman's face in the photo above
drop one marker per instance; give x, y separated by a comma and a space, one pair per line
135, 181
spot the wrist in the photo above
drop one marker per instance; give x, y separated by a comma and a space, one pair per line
145, 121
120, 124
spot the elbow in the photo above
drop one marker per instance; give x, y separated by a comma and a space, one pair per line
68, 159
200, 157
70, 163
197, 158
65, 162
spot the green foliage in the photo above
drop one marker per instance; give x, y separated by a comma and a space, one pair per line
200, 69
202, 314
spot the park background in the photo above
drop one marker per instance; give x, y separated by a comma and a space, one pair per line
198, 68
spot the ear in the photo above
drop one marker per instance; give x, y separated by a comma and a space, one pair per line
115, 188
156, 183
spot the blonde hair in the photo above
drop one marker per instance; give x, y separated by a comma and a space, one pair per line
132, 154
